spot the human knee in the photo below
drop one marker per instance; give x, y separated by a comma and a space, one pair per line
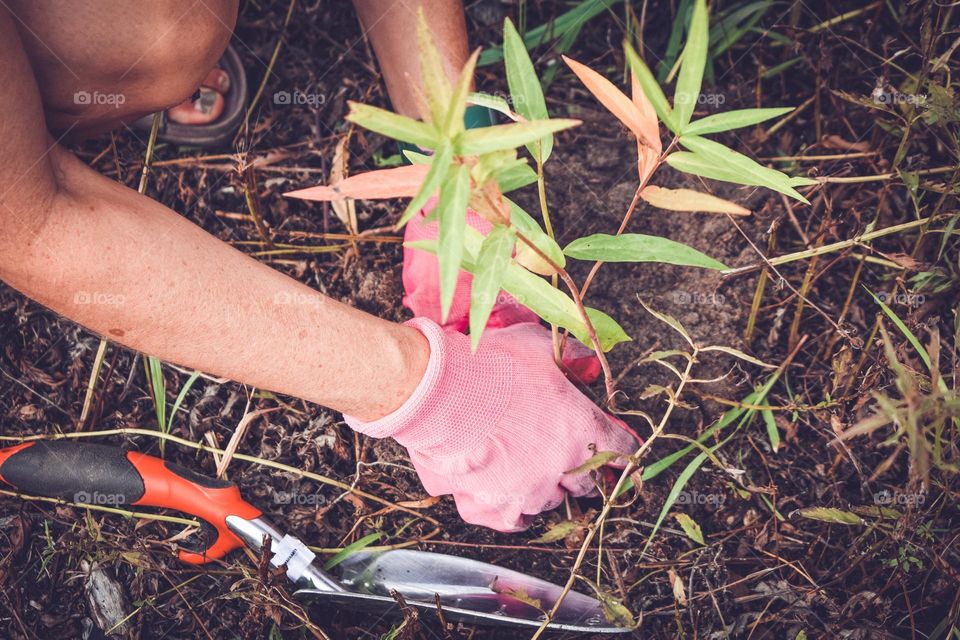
172, 65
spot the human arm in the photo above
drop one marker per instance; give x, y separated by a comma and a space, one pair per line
132, 270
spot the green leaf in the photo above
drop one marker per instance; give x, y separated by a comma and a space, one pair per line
439, 166
615, 612
675, 491
690, 527
559, 531
453, 123
508, 136
557, 308
492, 261
555, 28
516, 177
393, 125
668, 320
749, 171
597, 460
180, 398
531, 230
697, 165
417, 158
434, 75
650, 88
732, 120
609, 333
351, 549
538, 295
742, 414
677, 31
452, 211
911, 338
731, 25
831, 515
772, 432
691, 69
637, 247
772, 72
495, 103
525, 89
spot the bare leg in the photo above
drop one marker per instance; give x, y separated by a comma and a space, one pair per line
391, 26
127, 267
119, 60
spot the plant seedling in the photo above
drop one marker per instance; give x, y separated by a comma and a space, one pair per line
476, 168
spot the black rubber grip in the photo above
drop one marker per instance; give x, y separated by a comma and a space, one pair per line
99, 475
82, 473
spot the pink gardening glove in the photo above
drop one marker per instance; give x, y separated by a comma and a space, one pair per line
421, 280
498, 428
421, 284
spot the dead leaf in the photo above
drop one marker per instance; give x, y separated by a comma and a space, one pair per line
679, 593
904, 260
690, 200
839, 144
489, 204
426, 503
520, 594
345, 210
237, 436
831, 515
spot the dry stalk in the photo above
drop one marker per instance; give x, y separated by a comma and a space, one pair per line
608, 503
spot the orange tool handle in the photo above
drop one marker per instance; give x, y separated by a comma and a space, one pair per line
109, 476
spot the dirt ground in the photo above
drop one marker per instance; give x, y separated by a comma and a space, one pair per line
765, 570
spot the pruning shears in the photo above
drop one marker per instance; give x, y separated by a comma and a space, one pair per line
468, 591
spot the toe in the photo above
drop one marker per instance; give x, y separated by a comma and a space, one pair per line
218, 80
204, 110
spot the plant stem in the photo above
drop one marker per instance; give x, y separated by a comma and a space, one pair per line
582, 310
545, 213
632, 465
830, 248
880, 177
630, 210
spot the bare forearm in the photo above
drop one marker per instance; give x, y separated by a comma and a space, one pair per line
392, 28
141, 275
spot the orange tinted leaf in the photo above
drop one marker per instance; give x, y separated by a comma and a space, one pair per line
690, 200
399, 182
648, 114
646, 160
613, 99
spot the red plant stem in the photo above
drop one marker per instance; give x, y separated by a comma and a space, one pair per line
591, 330
629, 213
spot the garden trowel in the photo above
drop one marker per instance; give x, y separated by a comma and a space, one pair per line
459, 589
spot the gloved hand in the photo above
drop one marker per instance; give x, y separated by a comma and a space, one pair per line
421, 280
498, 428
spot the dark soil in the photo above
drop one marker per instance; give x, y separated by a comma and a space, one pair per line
765, 571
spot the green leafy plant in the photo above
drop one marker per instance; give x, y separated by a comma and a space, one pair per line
476, 168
